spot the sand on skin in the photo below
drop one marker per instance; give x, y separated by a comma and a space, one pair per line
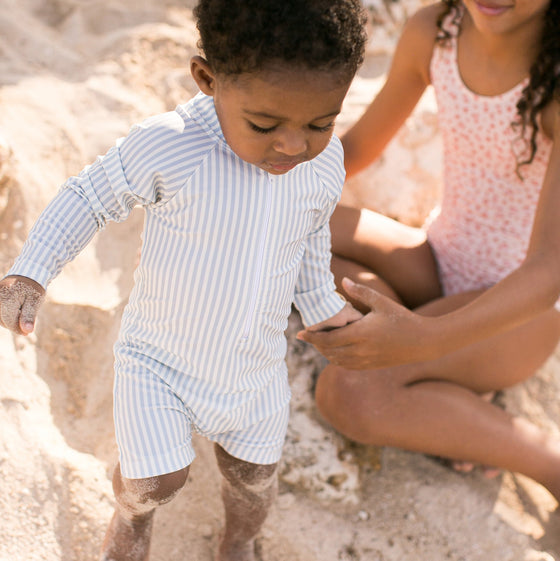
75, 75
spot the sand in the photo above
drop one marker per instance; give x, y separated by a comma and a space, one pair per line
74, 76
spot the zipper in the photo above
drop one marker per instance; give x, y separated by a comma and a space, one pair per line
259, 262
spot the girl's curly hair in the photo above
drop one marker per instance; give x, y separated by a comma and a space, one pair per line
239, 36
544, 75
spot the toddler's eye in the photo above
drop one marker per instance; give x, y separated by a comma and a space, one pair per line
260, 130
326, 128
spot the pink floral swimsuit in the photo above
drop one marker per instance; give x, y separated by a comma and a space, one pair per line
482, 230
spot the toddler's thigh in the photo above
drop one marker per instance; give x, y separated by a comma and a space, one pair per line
152, 424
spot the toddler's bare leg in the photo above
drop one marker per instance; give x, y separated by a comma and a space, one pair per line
248, 490
129, 533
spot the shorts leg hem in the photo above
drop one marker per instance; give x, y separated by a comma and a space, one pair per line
157, 465
255, 455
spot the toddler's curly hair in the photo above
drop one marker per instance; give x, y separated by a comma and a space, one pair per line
244, 36
544, 76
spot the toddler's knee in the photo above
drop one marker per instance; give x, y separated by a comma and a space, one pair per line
148, 493
253, 477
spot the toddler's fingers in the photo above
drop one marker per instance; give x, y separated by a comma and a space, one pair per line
19, 303
29, 312
9, 309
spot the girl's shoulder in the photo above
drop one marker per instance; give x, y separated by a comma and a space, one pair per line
423, 24
418, 38
428, 16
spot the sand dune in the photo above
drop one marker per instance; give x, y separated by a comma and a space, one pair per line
75, 75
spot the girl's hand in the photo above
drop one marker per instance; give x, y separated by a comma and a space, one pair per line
388, 335
20, 298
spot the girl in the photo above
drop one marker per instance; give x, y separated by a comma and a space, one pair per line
483, 277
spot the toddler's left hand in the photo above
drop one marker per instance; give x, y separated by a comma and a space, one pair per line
347, 315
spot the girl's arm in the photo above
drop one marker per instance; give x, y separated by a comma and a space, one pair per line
391, 334
407, 79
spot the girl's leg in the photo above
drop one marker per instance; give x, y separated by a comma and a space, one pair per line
382, 253
248, 490
436, 407
129, 533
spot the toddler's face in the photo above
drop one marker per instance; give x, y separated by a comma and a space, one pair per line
279, 118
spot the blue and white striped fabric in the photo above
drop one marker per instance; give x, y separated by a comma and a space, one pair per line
226, 249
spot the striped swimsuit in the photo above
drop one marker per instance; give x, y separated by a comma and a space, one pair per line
226, 249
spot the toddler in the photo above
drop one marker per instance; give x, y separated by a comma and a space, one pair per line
238, 186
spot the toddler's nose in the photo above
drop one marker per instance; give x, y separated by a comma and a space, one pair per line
291, 143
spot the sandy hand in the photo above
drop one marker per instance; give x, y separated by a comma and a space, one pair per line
20, 299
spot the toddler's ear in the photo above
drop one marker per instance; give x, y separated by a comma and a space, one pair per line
203, 75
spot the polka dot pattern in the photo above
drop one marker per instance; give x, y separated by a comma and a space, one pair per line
481, 231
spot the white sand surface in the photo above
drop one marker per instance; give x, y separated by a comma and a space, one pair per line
75, 75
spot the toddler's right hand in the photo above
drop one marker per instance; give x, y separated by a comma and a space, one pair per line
20, 298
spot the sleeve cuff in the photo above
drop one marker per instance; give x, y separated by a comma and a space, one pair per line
316, 306
31, 270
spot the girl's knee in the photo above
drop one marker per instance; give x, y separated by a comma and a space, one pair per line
335, 390
354, 402
149, 492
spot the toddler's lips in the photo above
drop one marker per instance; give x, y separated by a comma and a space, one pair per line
491, 9
284, 166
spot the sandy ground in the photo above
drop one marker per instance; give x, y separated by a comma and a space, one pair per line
75, 75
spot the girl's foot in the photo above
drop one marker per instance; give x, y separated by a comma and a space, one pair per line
489, 472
